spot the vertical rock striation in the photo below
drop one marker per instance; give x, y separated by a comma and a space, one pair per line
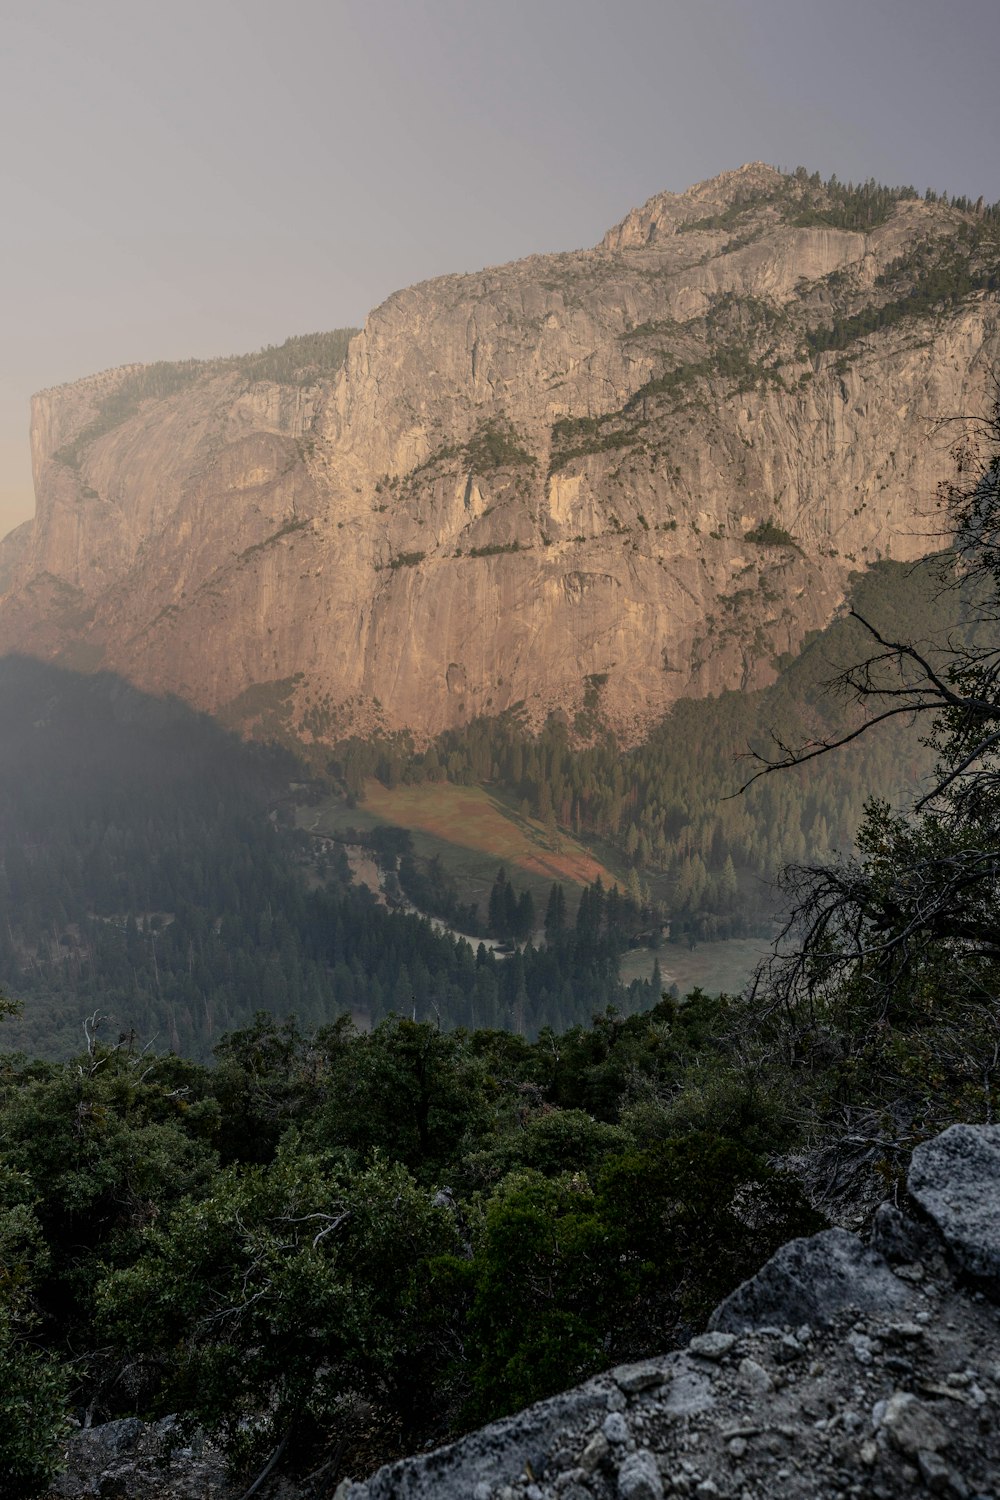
655, 462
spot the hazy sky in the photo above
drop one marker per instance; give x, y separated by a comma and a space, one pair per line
203, 178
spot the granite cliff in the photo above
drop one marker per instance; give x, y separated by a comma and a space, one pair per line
651, 465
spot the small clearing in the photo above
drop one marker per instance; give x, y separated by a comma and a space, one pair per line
472, 830
717, 968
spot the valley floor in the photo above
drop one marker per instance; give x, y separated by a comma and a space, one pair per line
717, 968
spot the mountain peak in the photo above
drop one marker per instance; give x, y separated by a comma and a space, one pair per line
713, 197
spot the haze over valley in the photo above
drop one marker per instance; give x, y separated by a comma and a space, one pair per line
499, 796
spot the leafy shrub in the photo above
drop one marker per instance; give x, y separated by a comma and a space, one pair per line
33, 1392
610, 1264
292, 1282
33, 1384
767, 534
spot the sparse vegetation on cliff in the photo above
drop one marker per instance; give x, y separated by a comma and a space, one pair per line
931, 279
300, 360
149, 383
769, 534
496, 445
805, 200
576, 437
287, 528
495, 549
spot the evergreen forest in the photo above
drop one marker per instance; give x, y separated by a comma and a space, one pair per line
151, 874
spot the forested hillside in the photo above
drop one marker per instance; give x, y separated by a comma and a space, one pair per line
150, 872
668, 808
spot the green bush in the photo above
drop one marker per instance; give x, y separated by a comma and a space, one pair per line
33, 1383
33, 1394
767, 534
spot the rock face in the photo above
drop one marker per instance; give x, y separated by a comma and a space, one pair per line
947, 1179
640, 465
839, 1370
811, 1281
129, 1458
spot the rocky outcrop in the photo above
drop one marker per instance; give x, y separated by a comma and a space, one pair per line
128, 1459
633, 465
947, 1183
841, 1369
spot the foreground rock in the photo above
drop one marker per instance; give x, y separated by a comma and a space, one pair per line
948, 1181
839, 1370
128, 1459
